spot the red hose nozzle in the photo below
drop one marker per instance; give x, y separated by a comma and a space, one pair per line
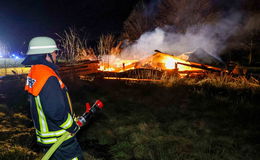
87, 107
99, 104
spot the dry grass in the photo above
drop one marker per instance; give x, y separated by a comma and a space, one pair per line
230, 81
185, 121
155, 122
105, 44
73, 46
215, 80
16, 136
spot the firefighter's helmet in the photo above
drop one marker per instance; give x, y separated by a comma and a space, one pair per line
38, 48
41, 45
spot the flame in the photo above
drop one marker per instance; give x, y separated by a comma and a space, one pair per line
169, 63
160, 61
115, 64
173, 62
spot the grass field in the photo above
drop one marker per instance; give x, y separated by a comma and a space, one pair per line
206, 119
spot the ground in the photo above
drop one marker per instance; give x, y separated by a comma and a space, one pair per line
141, 121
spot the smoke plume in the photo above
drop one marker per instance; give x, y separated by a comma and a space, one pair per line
209, 37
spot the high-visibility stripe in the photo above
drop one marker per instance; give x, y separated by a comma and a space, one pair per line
42, 118
50, 140
51, 133
68, 123
43, 47
47, 141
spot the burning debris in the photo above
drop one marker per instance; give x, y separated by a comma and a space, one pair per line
150, 68
130, 62
158, 61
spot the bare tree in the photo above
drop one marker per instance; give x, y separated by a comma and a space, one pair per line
179, 14
182, 14
248, 37
251, 41
137, 23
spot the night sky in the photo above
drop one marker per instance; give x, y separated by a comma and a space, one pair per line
20, 20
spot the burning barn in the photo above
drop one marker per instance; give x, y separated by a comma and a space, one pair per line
114, 66
161, 62
157, 64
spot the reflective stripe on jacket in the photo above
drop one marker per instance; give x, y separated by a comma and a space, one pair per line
51, 114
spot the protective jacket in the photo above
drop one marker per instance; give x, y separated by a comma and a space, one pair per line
50, 104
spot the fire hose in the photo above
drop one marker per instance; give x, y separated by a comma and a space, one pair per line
81, 121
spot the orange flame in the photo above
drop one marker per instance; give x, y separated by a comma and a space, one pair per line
160, 61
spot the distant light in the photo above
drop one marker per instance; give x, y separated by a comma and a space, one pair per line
16, 57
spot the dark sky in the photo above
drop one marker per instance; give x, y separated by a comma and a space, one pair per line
20, 20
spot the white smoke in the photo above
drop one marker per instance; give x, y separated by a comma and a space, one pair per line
209, 37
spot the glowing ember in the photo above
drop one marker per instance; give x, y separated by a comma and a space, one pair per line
133, 79
105, 68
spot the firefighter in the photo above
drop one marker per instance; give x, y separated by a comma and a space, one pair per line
49, 100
